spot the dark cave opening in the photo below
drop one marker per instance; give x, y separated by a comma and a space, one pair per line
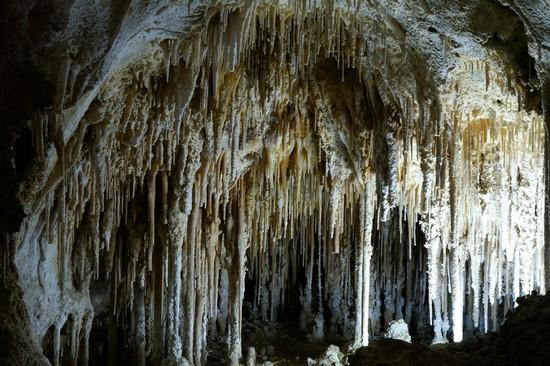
47, 343
399, 294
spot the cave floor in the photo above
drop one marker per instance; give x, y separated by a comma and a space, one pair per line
524, 339
279, 343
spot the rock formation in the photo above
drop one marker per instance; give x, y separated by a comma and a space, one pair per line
173, 170
524, 339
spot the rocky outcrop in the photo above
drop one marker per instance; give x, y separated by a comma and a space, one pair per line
524, 339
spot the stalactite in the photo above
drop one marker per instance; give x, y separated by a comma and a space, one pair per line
151, 184
176, 225
140, 324
364, 252
546, 108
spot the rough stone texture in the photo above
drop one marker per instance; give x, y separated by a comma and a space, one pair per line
398, 329
524, 339
397, 352
331, 357
165, 163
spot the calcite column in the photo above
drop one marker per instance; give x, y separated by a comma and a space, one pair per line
177, 223
140, 322
363, 258
456, 273
236, 283
546, 111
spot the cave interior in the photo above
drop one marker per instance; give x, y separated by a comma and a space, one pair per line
264, 182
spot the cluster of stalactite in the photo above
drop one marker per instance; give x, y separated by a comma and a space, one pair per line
492, 168
269, 143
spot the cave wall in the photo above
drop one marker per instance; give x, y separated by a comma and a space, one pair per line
383, 159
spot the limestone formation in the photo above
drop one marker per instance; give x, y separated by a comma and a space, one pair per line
175, 170
398, 329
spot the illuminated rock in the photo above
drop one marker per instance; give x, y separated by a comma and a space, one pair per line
398, 329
